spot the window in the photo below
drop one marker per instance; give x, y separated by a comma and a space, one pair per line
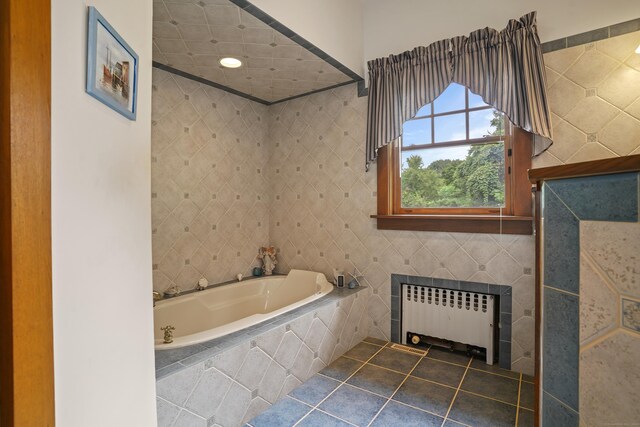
456, 163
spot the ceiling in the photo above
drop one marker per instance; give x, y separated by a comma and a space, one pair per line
191, 37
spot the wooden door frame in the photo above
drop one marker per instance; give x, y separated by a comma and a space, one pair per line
26, 346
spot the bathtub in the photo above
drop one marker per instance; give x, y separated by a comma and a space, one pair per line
212, 313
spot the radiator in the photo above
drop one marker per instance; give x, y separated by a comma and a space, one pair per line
464, 317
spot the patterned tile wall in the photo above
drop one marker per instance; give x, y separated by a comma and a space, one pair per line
316, 202
234, 386
591, 286
193, 36
209, 188
321, 202
594, 94
609, 322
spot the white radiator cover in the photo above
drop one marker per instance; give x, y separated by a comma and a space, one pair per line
464, 317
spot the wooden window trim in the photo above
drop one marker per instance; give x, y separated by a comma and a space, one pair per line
515, 218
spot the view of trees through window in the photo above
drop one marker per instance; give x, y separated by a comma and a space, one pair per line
453, 154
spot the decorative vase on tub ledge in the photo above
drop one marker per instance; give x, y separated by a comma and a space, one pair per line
268, 257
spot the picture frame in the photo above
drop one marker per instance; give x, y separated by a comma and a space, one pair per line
112, 67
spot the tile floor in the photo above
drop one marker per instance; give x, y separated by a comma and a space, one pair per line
375, 385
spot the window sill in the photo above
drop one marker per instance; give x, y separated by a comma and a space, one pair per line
457, 223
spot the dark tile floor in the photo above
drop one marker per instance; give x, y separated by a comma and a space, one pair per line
376, 385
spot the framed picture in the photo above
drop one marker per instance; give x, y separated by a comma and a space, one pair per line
112, 67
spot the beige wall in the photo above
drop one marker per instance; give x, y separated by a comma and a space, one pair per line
335, 26
594, 95
424, 22
101, 230
209, 188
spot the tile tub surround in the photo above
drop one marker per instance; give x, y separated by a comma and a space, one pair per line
375, 385
321, 202
229, 381
591, 275
504, 307
209, 187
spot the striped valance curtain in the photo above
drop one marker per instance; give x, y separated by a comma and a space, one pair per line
504, 67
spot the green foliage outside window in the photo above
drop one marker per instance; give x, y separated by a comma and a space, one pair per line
475, 181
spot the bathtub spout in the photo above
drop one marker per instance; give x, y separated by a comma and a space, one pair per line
156, 297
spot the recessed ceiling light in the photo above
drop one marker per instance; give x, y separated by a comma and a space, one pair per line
230, 62
638, 49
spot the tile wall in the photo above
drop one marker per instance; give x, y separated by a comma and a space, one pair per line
321, 202
194, 37
594, 94
609, 322
210, 194
591, 301
292, 175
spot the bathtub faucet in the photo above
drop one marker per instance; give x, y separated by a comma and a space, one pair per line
168, 333
156, 297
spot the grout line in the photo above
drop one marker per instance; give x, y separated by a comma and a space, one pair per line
493, 373
456, 393
598, 339
407, 376
466, 391
334, 390
488, 398
564, 204
390, 398
392, 370
398, 388
433, 382
315, 409
359, 388
599, 271
518, 402
445, 361
566, 405
396, 401
561, 291
335, 416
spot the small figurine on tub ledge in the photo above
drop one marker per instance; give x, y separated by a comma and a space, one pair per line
268, 257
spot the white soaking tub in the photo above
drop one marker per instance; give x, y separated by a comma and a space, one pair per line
212, 313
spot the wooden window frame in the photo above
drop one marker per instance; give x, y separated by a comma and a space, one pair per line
515, 218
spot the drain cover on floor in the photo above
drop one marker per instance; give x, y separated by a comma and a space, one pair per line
408, 349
